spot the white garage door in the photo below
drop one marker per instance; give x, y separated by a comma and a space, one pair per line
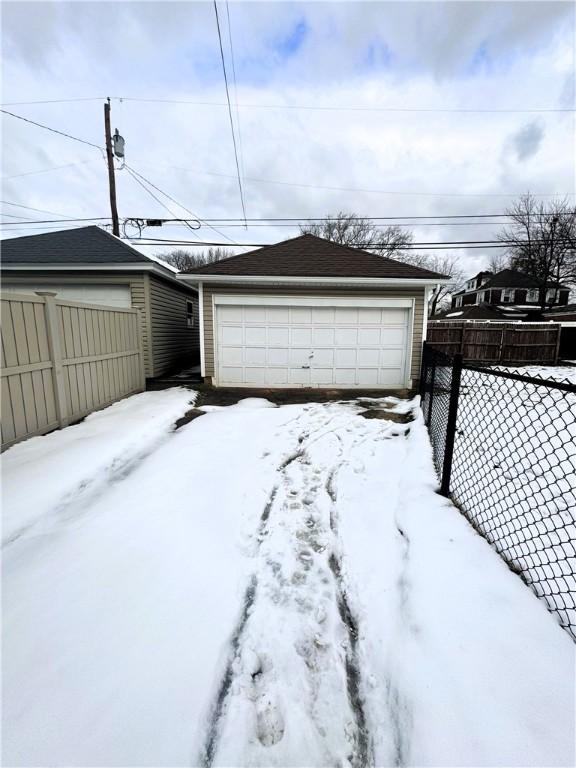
271, 345
108, 295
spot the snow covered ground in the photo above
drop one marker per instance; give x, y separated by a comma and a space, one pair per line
265, 587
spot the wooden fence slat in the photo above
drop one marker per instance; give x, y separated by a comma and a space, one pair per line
40, 317
8, 430
19, 332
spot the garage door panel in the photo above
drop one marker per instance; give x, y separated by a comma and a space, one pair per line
279, 337
301, 315
346, 316
346, 336
323, 316
322, 375
278, 314
301, 337
255, 315
300, 356
323, 336
255, 335
234, 375
232, 355
367, 377
369, 356
255, 355
277, 356
392, 336
323, 357
256, 376
391, 358
232, 334
369, 336
321, 346
346, 357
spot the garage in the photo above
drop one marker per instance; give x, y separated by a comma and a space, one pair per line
312, 342
110, 295
309, 312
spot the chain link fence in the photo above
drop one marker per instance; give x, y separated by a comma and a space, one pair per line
504, 447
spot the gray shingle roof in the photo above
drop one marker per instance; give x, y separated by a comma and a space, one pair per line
84, 245
311, 256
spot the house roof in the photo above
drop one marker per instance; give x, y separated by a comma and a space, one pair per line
311, 256
507, 278
83, 245
480, 312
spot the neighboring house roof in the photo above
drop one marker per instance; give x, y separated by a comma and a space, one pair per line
311, 256
84, 245
84, 248
480, 312
507, 278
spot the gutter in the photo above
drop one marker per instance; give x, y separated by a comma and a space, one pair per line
375, 282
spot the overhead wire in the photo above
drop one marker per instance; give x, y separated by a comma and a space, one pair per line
229, 110
52, 130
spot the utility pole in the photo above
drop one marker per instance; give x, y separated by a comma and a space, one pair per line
111, 178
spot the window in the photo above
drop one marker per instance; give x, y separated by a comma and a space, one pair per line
508, 295
532, 295
458, 301
189, 314
481, 297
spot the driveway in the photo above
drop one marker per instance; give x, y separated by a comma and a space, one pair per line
265, 586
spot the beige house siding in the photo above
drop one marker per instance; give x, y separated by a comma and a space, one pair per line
172, 341
61, 360
163, 337
397, 293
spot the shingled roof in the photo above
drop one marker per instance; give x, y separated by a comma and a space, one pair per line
311, 256
84, 245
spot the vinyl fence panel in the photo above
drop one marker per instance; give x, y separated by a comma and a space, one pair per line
61, 360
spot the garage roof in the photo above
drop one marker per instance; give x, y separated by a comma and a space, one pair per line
311, 256
84, 245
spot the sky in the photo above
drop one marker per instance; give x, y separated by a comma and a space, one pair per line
311, 87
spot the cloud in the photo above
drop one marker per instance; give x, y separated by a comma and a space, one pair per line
449, 55
526, 141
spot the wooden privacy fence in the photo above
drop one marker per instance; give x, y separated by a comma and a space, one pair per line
61, 360
507, 343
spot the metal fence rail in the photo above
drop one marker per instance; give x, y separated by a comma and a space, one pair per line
504, 447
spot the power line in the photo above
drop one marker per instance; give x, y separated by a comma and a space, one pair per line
196, 218
51, 101
52, 130
370, 191
345, 108
229, 110
235, 86
47, 170
58, 221
30, 208
149, 191
313, 107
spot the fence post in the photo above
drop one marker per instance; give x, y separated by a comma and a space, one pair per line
432, 377
422, 382
55, 348
451, 425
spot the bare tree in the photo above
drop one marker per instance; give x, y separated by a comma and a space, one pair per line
357, 232
497, 262
183, 260
444, 265
542, 242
